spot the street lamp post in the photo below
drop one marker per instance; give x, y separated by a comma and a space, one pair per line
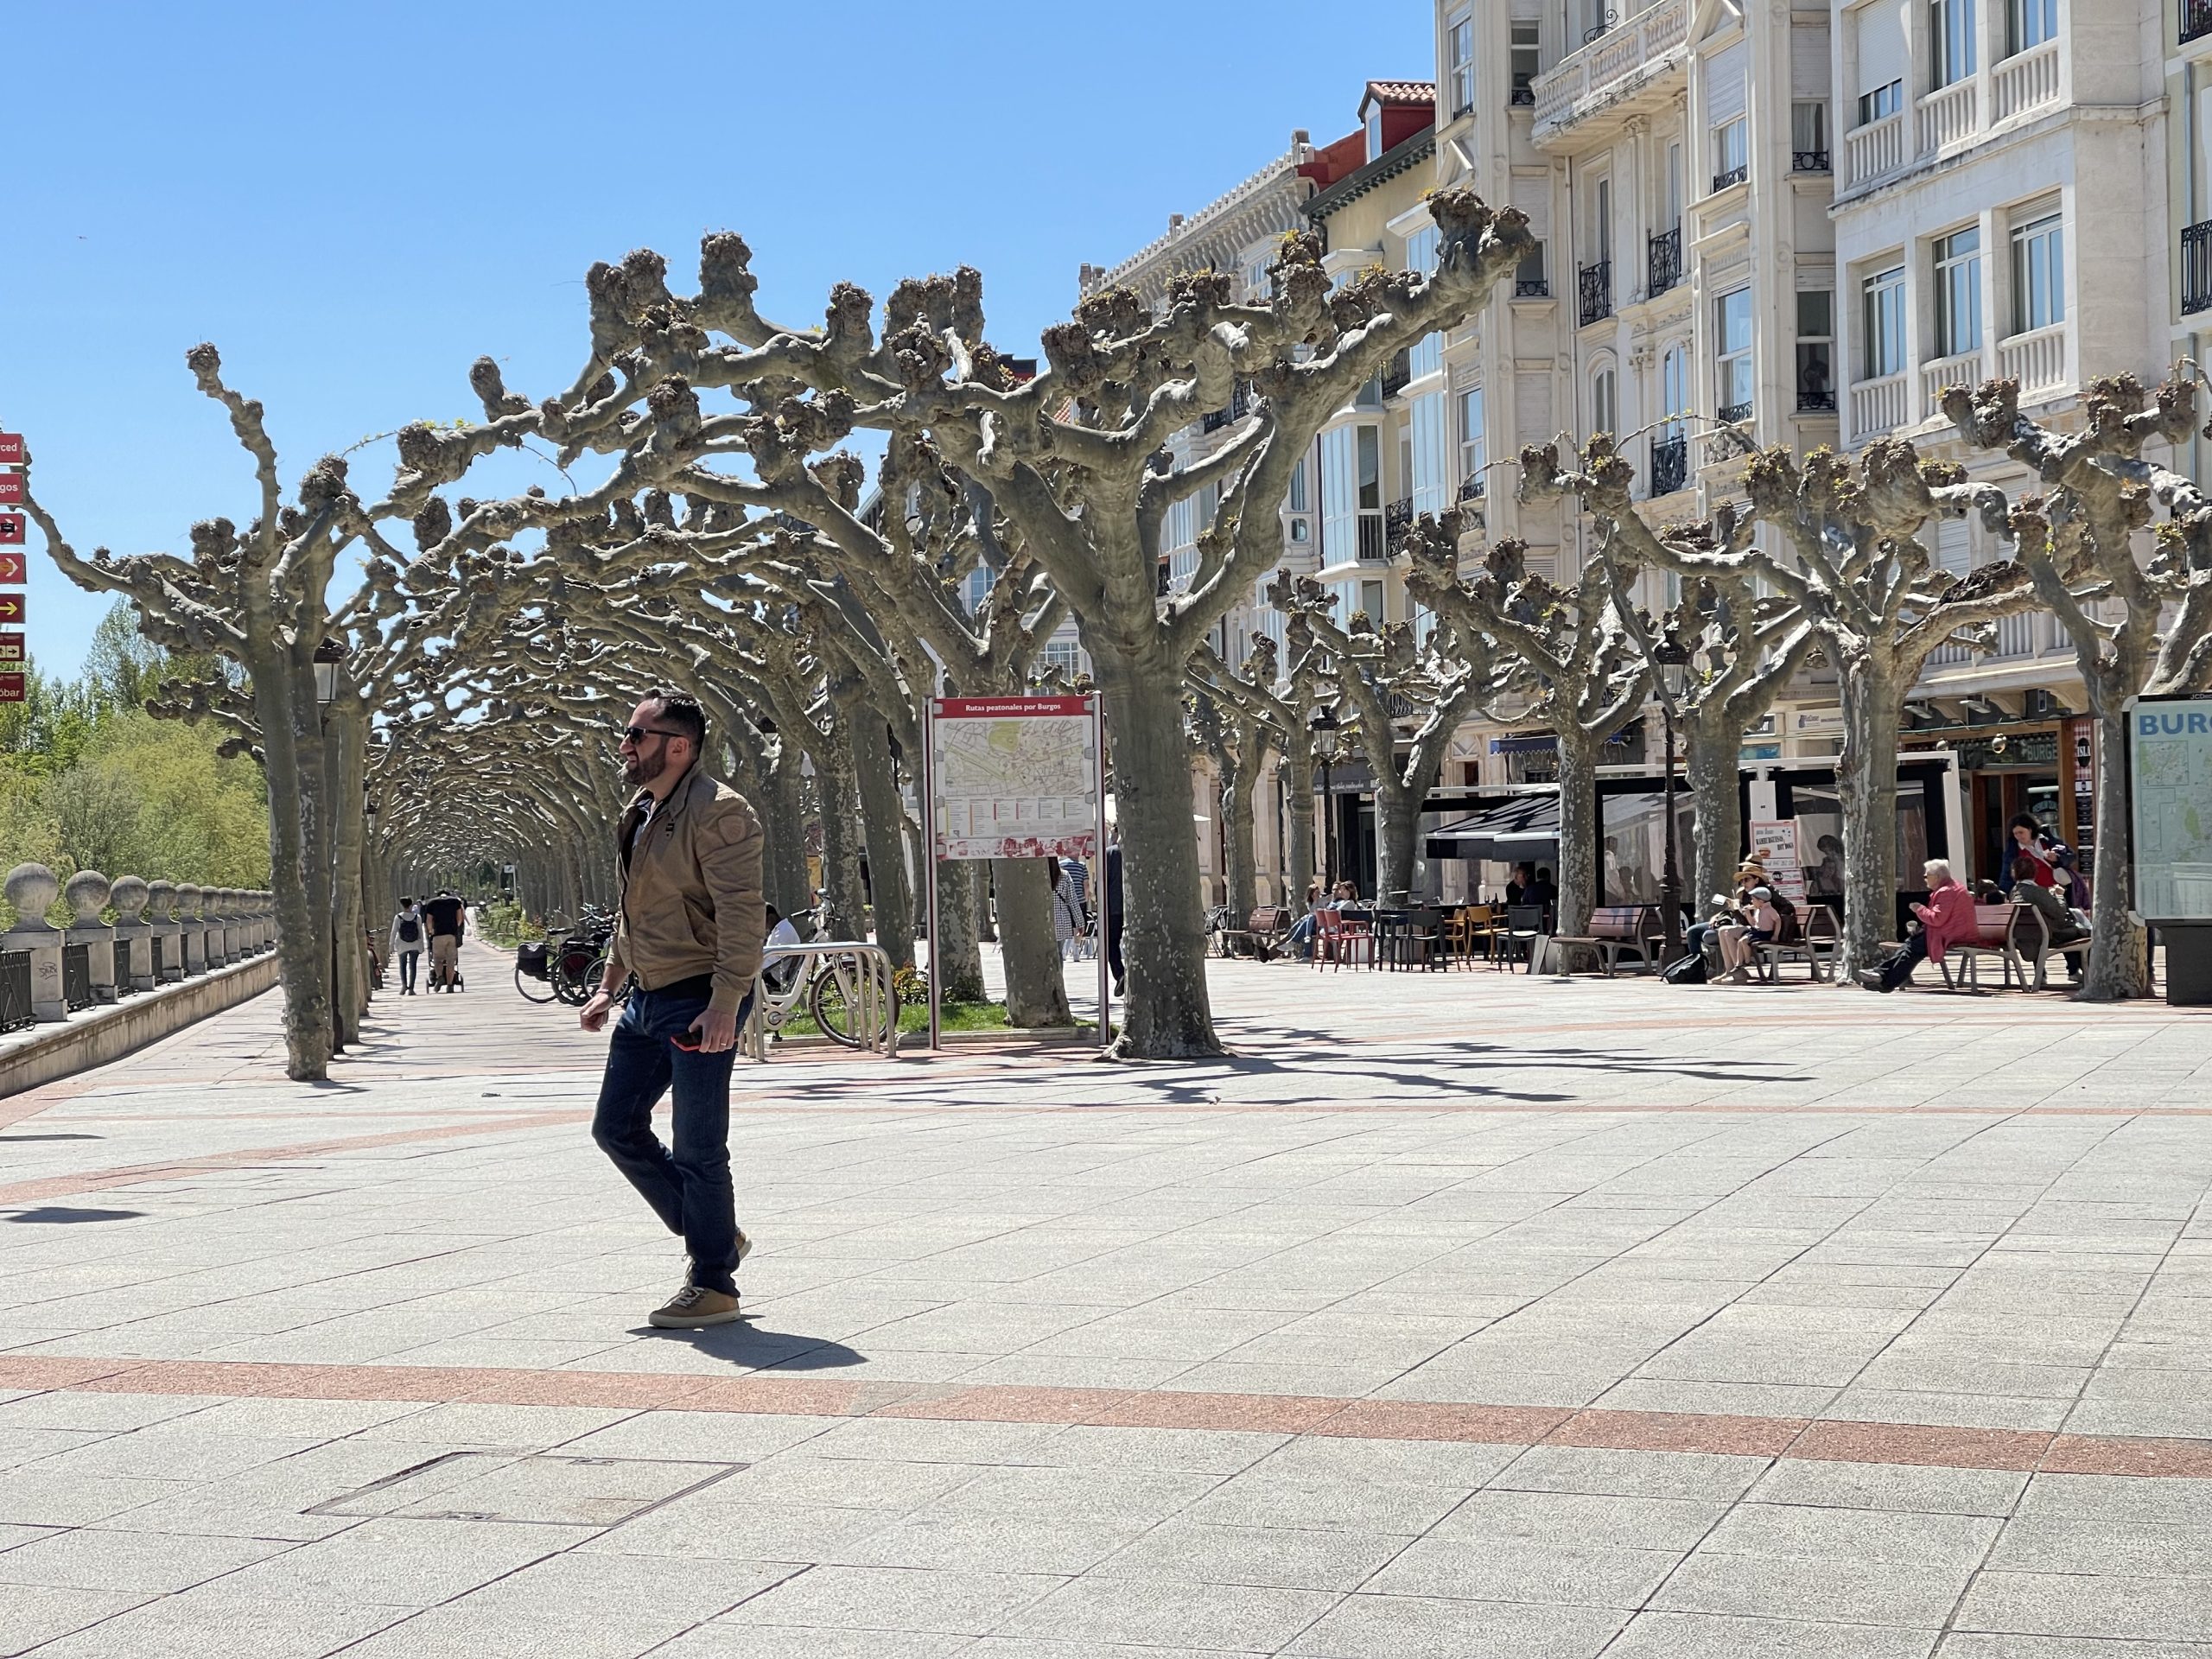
1324, 727
1672, 659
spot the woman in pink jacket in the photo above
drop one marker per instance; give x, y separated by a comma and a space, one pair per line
1945, 920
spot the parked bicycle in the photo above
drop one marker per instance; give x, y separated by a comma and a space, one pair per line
568, 967
825, 986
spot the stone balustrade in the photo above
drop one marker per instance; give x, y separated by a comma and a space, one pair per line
164, 931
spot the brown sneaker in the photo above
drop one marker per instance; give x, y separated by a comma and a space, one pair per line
694, 1305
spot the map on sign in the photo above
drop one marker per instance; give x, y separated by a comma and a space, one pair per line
1015, 776
2172, 745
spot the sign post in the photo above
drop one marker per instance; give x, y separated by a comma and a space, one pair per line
14, 571
1015, 778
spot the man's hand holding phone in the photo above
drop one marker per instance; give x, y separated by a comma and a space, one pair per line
712, 1033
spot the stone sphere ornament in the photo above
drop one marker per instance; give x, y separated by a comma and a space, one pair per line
86, 892
30, 888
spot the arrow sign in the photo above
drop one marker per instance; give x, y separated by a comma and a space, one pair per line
12, 607
11, 568
11, 449
12, 529
11, 688
11, 652
11, 487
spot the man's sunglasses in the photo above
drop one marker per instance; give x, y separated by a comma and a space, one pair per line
639, 734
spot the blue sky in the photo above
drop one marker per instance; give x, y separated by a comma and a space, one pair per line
353, 202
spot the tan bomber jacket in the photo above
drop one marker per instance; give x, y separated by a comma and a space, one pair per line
691, 896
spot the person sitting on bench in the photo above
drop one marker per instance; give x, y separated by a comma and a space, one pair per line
2060, 923
1946, 919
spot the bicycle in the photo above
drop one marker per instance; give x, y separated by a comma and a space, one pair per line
826, 987
568, 968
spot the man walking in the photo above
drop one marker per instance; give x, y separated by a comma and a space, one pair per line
688, 927
448, 923
407, 943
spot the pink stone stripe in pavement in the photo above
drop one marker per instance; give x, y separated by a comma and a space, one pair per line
1796, 1437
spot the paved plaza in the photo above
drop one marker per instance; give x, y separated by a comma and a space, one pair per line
1459, 1315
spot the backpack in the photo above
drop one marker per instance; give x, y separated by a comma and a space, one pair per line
1690, 970
410, 931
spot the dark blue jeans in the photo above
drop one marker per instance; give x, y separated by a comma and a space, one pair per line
407, 960
687, 1184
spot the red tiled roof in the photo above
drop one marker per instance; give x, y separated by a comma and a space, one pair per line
1402, 91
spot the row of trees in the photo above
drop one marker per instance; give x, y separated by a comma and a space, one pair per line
458, 703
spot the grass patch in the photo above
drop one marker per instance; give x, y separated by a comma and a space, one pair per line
914, 1021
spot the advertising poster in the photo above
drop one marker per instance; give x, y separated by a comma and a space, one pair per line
2169, 743
1773, 843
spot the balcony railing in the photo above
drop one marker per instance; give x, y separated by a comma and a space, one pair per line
2036, 358
1875, 150
1662, 262
1397, 519
2197, 265
1877, 406
1596, 75
1815, 403
1670, 465
1533, 287
1523, 95
1473, 487
2025, 79
1597, 286
1735, 414
1960, 369
1374, 542
2196, 20
1395, 377
1734, 175
1948, 116
1809, 161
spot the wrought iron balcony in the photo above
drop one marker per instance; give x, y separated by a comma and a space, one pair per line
1473, 487
1662, 262
1597, 283
1670, 464
1533, 287
2196, 20
1815, 403
1524, 95
1735, 414
1809, 161
1734, 175
1395, 377
2197, 265
1397, 519
1240, 405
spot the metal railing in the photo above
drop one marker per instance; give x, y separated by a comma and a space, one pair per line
1670, 464
1815, 403
1533, 287
1524, 95
1398, 375
14, 989
875, 1000
1397, 519
1809, 161
77, 977
1596, 283
1473, 487
1662, 262
1735, 414
122, 986
2197, 265
1734, 175
2196, 20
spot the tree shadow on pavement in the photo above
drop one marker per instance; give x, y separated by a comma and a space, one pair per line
59, 1213
747, 1347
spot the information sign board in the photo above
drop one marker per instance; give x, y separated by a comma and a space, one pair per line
11, 487
12, 529
1014, 777
2170, 753
12, 650
11, 449
11, 688
11, 568
1773, 843
11, 608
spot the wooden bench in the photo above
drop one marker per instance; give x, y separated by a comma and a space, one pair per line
2014, 934
1262, 934
1613, 929
1809, 935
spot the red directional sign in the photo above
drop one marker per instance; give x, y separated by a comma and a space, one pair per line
11, 688
11, 608
11, 652
11, 449
11, 487
11, 568
12, 529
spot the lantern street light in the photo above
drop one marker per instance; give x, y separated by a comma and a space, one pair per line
328, 656
1672, 659
1324, 728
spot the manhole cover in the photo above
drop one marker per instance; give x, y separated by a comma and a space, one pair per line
541, 1489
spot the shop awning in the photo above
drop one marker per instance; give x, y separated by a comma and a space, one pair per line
1526, 827
1543, 742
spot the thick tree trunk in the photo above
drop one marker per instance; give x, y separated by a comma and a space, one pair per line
302, 950
1035, 994
784, 814
1397, 830
1578, 828
1167, 1015
345, 738
844, 898
959, 957
1712, 764
1867, 782
883, 818
2120, 959
1297, 776
1238, 829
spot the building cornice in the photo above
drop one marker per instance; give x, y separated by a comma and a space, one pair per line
1384, 168
1244, 200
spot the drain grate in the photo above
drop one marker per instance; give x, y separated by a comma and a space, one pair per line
530, 1489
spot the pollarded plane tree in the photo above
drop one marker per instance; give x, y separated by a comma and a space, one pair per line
1389, 678
1568, 652
2137, 625
1263, 708
1850, 558
1745, 648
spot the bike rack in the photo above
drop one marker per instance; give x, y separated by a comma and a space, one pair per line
878, 992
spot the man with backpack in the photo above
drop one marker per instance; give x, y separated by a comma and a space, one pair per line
407, 943
447, 920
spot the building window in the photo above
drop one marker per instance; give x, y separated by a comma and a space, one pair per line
2038, 274
1670, 443
1474, 462
1528, 57
1339, 496
1369, 452
1809, 136
1426, 355
1733, 379
1375, 131
1958, 293
2031, 22
1732, 152
1815, 350
1883, 101
1065, 655
1605, 402
1430, 468
1298, 506
1529, 282
1460, 53
1370, 601
1950, 41
1883, 326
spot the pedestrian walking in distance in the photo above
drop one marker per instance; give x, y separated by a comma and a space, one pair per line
407, 943
689, 929
447, 918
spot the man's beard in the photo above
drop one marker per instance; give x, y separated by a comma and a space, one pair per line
641, 768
